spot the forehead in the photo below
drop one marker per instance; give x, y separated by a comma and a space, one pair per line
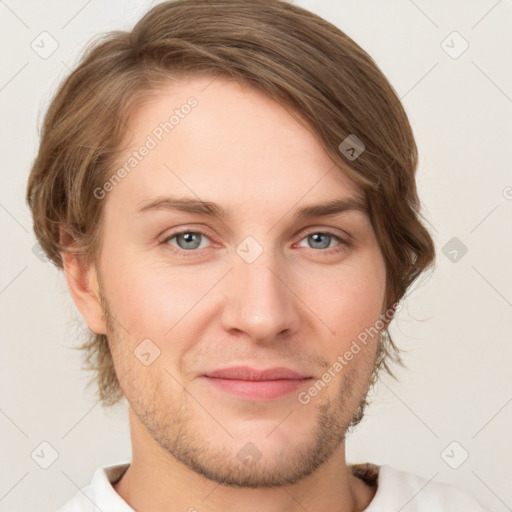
216, 140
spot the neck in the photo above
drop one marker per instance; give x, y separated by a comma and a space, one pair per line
155, 480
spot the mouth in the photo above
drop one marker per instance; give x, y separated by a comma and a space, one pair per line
257, 384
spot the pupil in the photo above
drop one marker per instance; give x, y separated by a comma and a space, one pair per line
189, 239
317, 238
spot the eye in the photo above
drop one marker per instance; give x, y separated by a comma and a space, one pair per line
187, 241
321, 240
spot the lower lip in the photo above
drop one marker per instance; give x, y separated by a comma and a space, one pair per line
258, 390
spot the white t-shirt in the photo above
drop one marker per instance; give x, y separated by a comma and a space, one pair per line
396, 490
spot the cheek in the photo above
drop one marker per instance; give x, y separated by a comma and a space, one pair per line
153, 300
351, 300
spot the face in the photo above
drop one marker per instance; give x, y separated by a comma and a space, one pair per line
256, 285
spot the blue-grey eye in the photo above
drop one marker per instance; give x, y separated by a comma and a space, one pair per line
191, 240
320, 240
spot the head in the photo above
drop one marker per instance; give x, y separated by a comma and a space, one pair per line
254, 110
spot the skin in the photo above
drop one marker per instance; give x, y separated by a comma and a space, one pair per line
299, 304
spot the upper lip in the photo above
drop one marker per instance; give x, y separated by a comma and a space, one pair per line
249, 373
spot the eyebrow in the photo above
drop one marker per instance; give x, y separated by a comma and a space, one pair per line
211, 209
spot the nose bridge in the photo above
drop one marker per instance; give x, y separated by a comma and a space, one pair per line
259, 303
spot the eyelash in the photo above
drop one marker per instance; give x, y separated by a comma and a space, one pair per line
194, 252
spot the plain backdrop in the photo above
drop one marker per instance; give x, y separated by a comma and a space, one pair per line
450, 416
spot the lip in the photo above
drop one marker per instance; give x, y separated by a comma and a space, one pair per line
255, 374
257, 384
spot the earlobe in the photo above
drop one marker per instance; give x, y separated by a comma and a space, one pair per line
82, 281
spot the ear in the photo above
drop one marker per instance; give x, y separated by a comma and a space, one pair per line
82, 281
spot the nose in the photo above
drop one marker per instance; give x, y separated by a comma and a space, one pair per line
260, 300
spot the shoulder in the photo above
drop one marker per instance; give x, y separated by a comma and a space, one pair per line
99, 494
397, 489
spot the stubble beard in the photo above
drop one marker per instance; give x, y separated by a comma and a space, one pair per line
183, 436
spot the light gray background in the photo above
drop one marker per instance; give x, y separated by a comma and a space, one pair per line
456, 326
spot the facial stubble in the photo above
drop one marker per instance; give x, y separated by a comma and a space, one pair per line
182, 436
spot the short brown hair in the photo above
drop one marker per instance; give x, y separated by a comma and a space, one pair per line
291, 55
